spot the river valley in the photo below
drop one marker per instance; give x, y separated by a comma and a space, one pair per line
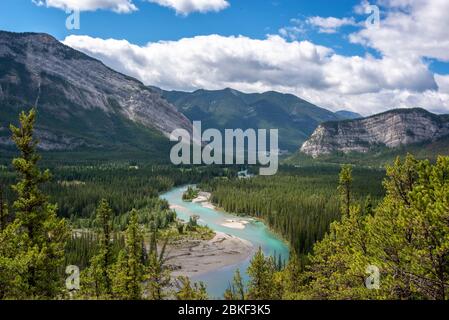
243, 232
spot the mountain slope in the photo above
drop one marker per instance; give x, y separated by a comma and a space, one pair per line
348, 115
80, 101
392, 129
230, 109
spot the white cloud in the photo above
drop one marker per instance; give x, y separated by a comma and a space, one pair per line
330, 24
443, 82
119, 6
183, 7
410, 28
410, 32
291, 32
363, 84
188, 6
296, 30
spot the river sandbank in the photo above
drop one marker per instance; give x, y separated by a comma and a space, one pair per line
195, 257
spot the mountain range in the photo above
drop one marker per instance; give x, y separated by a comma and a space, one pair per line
83, 104
295, 118
393, 129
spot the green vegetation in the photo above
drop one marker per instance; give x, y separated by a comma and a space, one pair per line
32, 245
228, 108
345, 229
298, 203
35, 244
190, 194
399, 250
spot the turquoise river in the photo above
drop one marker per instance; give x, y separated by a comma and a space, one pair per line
254, 231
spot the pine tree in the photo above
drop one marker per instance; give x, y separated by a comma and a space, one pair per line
159, 274
134, 240
14, 262
261, 271
44, 234
129, 269
337, 268
410, 231
344, 188
292, 277
236, 290
338, 263
369, 209
3, 211
101, 263
188, 292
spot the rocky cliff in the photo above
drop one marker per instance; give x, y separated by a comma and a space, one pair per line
395, 128
80, 101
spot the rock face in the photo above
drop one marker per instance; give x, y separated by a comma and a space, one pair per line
80, 101
391, 129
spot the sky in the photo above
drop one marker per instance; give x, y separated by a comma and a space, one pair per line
358, 55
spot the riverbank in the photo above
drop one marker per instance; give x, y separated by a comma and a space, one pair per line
195, 257
203, 199
213, 266
240, 222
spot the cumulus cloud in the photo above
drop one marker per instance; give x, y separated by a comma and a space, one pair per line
411, 32
330, 24
183, 7
363, 84
188, 6
443, 82
119, 6
410, 28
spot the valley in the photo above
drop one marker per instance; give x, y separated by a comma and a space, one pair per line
351, 191
236, 254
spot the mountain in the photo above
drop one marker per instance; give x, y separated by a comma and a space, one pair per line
391, 129
348, 115
81, 103
295, 118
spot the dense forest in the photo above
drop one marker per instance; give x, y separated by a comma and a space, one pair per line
121, 253
398, 250
361, 241
298, 203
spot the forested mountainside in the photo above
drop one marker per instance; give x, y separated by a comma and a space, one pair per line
295, 118
80, 101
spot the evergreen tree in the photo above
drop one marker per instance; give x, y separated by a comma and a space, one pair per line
101, 263
3, 211
236, 290
14, 262
159, 274
344, 188
369, 209
261, 271
129, 269
188, 292
41, 233
410, 231
292, 278
405, 240
134, 240
338, 263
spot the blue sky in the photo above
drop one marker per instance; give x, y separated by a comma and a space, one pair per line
152, 22
342, 65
